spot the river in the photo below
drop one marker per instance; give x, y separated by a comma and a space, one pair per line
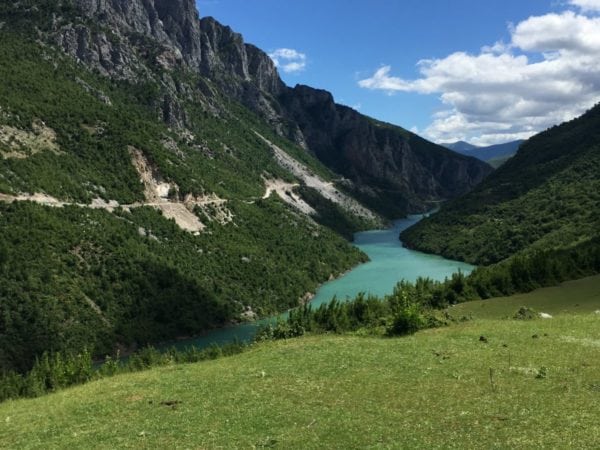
390, 262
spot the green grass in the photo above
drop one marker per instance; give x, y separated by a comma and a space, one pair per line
431, 390
580, 296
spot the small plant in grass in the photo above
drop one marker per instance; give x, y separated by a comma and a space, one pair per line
542, 373
110, 366
525, 313
281, 330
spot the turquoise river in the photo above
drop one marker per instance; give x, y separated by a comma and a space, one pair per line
390, 262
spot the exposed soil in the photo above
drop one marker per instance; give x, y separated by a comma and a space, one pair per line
326, 189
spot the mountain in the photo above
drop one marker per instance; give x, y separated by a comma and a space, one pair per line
460, 147
497, 151
392, 170
388, 168
546, 196
495, 155
158, 179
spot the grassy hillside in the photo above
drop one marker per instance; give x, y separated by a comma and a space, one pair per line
546, 196
533, 384
579, 296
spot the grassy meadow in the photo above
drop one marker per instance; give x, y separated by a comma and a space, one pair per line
578, 296
528, 384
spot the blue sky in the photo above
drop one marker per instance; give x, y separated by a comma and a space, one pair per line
367, 54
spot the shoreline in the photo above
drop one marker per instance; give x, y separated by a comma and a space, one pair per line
302, 300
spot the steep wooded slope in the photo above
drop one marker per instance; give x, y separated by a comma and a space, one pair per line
546, 196
137, 145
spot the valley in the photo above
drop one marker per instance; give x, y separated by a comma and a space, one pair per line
389, 262
199, 249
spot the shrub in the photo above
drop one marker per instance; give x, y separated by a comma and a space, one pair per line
525, 313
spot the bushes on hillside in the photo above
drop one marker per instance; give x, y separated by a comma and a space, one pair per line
54, 371
412, 306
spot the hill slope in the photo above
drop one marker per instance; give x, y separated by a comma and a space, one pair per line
441, 388
547, 196
153, 186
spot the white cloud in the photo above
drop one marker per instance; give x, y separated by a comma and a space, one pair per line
288, 60
548, 73
586, 5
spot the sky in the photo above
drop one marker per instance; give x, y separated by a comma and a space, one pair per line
483, 71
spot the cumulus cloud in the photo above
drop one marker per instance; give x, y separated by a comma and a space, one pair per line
586, 5
548, 73
288, 60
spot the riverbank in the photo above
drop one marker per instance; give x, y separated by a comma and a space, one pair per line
389, 263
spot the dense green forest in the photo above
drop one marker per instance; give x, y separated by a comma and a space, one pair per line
74, 278
546, 196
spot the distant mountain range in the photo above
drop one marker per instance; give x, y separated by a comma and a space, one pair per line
495, 155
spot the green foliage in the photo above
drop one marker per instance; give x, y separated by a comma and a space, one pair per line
50, 372
545, 197
55, 371
525, 313
281, 330
124, 287
399, 313
407, 317
74, 278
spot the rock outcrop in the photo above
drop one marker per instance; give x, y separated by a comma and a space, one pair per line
126, 31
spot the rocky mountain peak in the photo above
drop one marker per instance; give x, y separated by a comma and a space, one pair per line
128, 32
141, 40
224, 52
171, 23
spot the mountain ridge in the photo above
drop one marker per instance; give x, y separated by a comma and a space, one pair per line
382, 173
491, 154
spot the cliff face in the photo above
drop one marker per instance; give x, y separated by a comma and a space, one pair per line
117, 36
395, 164
391, 169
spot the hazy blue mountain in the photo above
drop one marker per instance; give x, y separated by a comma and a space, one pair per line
460, 146
490, 154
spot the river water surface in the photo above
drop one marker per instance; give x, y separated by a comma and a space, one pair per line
390, 263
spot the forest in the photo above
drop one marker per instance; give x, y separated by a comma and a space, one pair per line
75, 278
